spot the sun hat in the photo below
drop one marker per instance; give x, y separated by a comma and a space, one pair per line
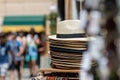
69, 29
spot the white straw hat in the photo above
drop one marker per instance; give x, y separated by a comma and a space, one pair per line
69, 30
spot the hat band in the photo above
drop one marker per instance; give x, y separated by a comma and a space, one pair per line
70, 35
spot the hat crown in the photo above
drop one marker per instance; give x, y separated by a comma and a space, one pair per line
69, 27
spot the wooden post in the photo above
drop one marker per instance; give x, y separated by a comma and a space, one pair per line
47, 34
81, 4
68, 9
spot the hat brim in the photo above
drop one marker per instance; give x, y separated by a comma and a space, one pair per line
70, 47
53, 37
66, 65
66, 60
59, 43
66, 50
66, 54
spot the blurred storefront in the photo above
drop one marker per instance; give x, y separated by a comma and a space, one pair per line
25, 23
24, 8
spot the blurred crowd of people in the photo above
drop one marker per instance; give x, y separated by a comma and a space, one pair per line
98, 18
15, 48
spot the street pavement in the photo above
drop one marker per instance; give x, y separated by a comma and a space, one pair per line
45, 63
25, 75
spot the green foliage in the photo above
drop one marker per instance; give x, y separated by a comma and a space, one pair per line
53, 21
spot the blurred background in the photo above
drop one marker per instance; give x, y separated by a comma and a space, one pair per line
39, 19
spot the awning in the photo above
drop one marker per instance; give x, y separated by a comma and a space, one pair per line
17, 23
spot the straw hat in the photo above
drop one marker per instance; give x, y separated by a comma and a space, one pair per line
69, 29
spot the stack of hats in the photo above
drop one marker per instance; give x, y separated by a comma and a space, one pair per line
67, 47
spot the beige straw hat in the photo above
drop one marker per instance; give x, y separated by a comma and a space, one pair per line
69, 30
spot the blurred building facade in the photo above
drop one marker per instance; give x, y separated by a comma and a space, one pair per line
24, 7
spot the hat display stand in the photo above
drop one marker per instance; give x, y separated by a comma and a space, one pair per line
59, 74
66, 52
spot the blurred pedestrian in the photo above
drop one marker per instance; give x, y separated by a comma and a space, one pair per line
41, 50
32, 54
16, 50
4, 58
22, 39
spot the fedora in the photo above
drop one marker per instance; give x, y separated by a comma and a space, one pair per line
69, 29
